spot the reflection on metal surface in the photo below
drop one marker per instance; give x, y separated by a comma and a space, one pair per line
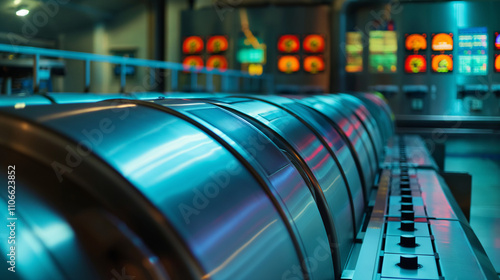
251, 187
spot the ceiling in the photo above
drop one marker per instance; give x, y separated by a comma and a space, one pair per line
49, 18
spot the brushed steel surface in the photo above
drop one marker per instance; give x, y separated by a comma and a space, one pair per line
67, 98
288, 185
395, 211
222, 214
396, 200
436, 202
421, 229
457, 259
374, 103
424, 246
368, 262
335, 145
11, 101
427, 271
45, 241
321, 164
366, 118
95, 216
356, 144
358, 126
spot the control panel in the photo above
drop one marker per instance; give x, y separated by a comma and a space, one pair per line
427, 58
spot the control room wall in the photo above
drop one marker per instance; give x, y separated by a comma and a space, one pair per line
128, 30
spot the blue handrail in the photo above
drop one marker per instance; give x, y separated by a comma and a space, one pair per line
124, 61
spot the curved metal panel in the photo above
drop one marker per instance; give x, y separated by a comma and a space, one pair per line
383, 117
43, 239
66, 226
335, 144
355, 142
221, 212
367, 120
22, 101
331, 189
283, 178
358, 127
70, 98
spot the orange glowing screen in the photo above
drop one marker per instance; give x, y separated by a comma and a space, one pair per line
497, 63
288, 64
442, 42
416, 42
193, 61
314, 64
314, 43
415, 64
288, 44
217, 44
192, 45
217, 62
442, 63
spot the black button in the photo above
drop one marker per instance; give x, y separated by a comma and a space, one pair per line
405, 185
407, 226
408, 262
406, 207
405, 192
406, 199
407, 215
407, 241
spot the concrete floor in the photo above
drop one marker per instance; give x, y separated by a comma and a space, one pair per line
480, 156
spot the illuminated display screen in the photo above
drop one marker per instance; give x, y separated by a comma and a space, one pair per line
288, 64
442, 63
314, 43
192, 45
255, 69
497, 40
314, 64
415, 64
416, 42
473, 51
288, 44
383, 47
354, 52
217, 62
193, 61
251, 50
217, 44
251, 56
442, 42
497, 63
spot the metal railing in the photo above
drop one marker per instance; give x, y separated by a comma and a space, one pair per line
230, 79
